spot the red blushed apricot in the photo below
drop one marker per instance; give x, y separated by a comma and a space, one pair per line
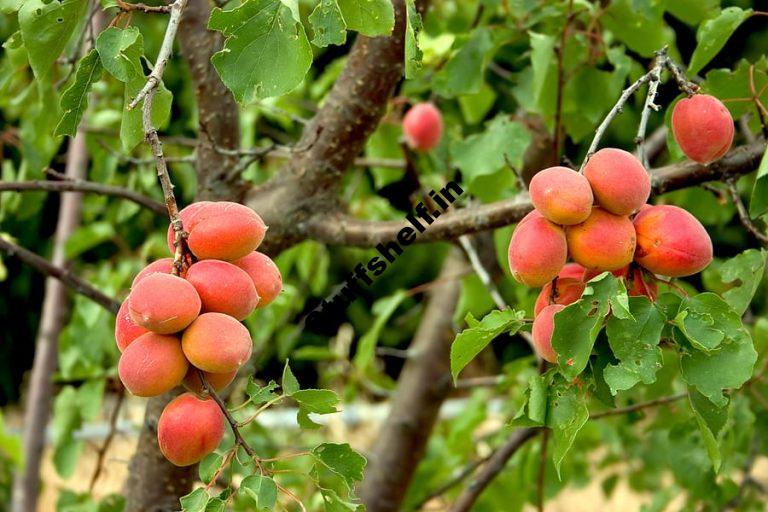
223, 288
639, 285
703, 127
423, 126
543, 326
126, 330
217, 343
573, 270
567, 291
220, 230
603, 242
152, 364
189, 428
218, 381
561, 195
164, 303
671, 241
619, 181
161, 266
537, 251
264, 274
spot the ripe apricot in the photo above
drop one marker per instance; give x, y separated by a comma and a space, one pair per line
152, 364
573, 270
537, 250
220, 230
619, 181
567, 291
561, 195
163, 303
264, 274
639, 285
126, 330
161, 266
703, 127
423, 126
218, 381
671, 241
603, 242
217, 343
543, 327
189, 428
223, 288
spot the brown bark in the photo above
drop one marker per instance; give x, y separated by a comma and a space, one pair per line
423, 384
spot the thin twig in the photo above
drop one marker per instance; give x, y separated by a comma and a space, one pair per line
102, 451
744, 214
653, 87
639, 406
477, 265
462, 475
157, 9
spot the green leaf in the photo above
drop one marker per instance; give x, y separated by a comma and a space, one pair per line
729, 366
47, 27
473, 340
577, 326
209, 466
132, 128
334, 503
318, 401
369, 17
383, 308
195, 501
693, 12
266, 52
260, 394
533, 413
706, 320
74, 99
711, 420
328, 24
342, 460
713, 34
120, 51
413, 26
732, 87
744, 272
87, 237
289, 382
567, 413
261, 491
635, 343
542, 60
463, 73
758, 204
641, 29
483, 153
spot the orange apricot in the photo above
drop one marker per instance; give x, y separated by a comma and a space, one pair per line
152, 364
619, 181
161, 266
189, 428
573, 270
223, 288
703, 127
264, 274
217, 343
217, 381
164, 303
537, 250
543, 327
423, 126
561, 195
126, 330
567, 291
671, 241
603, 242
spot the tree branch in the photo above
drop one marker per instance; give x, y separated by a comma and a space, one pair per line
746, 221
639, 406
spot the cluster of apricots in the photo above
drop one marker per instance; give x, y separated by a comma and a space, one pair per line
171, 328
600, 220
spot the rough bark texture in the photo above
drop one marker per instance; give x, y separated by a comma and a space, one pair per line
334, 137
423, 384
55, 306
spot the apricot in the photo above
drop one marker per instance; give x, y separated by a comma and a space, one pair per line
126, 330
423, 126
264, 274
603, 242
223, 288
218, 381
537, 250
152, 364
703, 127
543, 327
189, 428
217, 343
619, 181
567, 291
220, 230
573, 270
164, 303
639, 285
561, 195
671, 241
161, 266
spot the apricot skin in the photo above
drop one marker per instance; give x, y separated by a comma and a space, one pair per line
217, 380
265, 275
163, 303
703, 127
423, 126
619, 181
126, 330
223, 288
189, 428
671, 241
543, 326
220, 230
561, 195
567, 291
152, 364
217, 343
537, 250
161, 266
573, 270
603, 242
